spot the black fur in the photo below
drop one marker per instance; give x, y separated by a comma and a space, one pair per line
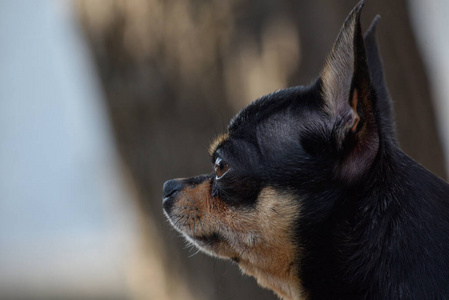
373, 224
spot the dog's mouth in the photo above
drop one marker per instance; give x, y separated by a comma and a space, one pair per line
185, 228
209, 239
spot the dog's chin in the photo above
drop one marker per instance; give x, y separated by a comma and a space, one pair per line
210, 239
213, 244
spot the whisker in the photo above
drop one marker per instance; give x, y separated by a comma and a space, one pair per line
198, 251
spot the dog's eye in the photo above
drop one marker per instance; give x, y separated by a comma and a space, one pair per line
221, 168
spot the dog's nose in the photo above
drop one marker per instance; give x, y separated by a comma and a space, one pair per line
170, 189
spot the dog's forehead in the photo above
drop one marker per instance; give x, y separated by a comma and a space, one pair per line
292, 100
277, 118
260, 109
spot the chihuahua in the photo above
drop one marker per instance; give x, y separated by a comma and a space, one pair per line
311, 194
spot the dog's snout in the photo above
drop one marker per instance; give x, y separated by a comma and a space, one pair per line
170, 189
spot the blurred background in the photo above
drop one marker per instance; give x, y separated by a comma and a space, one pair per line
102, 101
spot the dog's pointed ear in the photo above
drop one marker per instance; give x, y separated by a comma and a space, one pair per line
384, 103
349, 99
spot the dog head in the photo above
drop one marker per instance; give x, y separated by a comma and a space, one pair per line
283, 160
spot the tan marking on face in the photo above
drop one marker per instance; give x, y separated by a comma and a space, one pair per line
217, 142
272, 260
260, 238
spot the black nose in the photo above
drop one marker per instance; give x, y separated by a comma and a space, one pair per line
170, 189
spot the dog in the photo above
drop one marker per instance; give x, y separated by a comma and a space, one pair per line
311, 194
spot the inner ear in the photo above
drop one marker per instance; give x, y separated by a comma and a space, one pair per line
353, 103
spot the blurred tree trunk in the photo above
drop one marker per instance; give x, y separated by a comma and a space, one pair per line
174, 73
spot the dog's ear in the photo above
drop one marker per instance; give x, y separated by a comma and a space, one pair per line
384, 103
350, 100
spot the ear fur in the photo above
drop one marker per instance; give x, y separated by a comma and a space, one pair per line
385, 106
350, 99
